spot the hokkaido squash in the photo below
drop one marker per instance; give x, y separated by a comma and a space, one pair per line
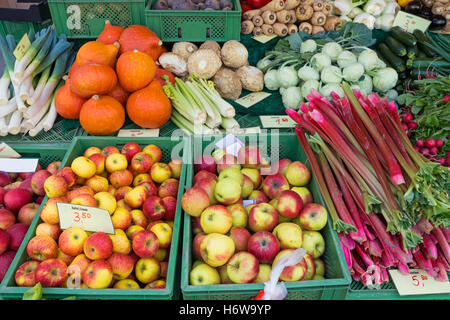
67, 103
119, 94
91, 79
102, 115
73, 67
97, 52
135, 70
155, 52
140, 38
149, 107
163, 72
110, 33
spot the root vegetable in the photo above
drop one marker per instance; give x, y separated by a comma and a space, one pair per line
227, 83
317, 29
247, 27
318, 5
204, 63
280, 29
306, 2
257, 21
293, 16
267, 29
438, 8
327, 8
248, 15
318, 18
304, 13
274, 5
305, 27
184, 49
291, 4
269, 17
212, 4
252, 78
210, 44
283, 16
257, 31
234, 54
333, 23
161, 5
174, 63
292, 28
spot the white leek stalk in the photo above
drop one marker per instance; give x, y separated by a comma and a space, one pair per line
14, 122
38, 128
25, 89
3, 125
32, 122
9, 108
51, 114
5, 80
40, 86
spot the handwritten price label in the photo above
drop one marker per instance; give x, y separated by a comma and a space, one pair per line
418, 282
263, 38
277, 122
133, 133
247, 130
87, 218
7, 152
22, 47
410, 22
252, 98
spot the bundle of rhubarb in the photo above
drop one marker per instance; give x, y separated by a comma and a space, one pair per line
388, 203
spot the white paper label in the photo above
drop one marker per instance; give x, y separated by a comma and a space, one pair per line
277, 122
87, 218
18, 165
7, 152
418, 282
148, 133
230, 144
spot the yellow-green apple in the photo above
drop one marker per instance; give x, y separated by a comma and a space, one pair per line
227, 191
37, 181
290, 273
141, 178
99, 160
289, 204
281, 166
78, 191
51, 273
120, 241
247, 187
209, 186
153, 208
289, 234
98, 275
313, 243
126, 284
298, 174
216, 219
203, 174
121, 178
97, 183
320, 267
121, 218
121, 192
258, 196
264, 246
27, 213
160, 172
216, 249
122, 265
265, 168
176, 166
274, 184
147, 270
7, 218
49, 212
106, 200
98, 246
262, 217
85, 199
91, 150
263, 273
145, 243
111, 190
130, 149
64, 257
194, 201
164, 266
55, 186
239, 215
313, 217
205, 162
304, 193
25, 274
254, 175
116, 162
310, 267
133, 230
318, 277
71, 241
196, 263
141, 162
5, 239
198, 238
224, 278
83, 167
109, 150
135, 197
52, 167
163, 232
42, 247
170, 205
154, 151
16, 234
161, 254
195, 225
204, 274
122, 204
138, 218
68, 174
249, 157
240, 237
168, 187
232, 173
227, 161
52, 230
243, 267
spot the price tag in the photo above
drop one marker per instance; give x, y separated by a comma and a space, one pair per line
8, 152
417, 282
410, 22
263, 38
277, 122
248, 202
22, 47
230, 144
18, 165
85, 217
252, 98
149, 133
247, 130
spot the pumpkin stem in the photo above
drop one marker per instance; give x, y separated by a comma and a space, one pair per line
117, 45
65, 77
95, 97
107, 23
135, 50
160, 43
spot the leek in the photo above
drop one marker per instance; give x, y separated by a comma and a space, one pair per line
14, 122
25, 89
60, 47
3, 125
40, 86
11, 42
4, 129
5, 80
32, 122
9, 108
43, 53
52, 114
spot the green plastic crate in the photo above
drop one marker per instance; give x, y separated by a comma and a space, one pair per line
334, 287
195, 25
19, 28
8, 288
86, 18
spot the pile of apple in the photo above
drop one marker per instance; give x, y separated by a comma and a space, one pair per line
238, 242
139, 192
20, 199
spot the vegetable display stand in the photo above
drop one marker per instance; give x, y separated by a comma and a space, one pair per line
337, 276
195, 25
86, 18
8, 288
19, 28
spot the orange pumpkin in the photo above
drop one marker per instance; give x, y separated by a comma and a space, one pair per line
67, 103
149, 107
155, 52
135, 70
119, 94
102, 115
140, 38
97, 52
91, 79
110, 33
73, 67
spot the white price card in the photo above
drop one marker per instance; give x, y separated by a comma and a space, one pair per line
247, 130
410, 22
263, 38
18, 165
7, 152
148, 133
277, 122
418, 282
87, 218
252, 98
230, 144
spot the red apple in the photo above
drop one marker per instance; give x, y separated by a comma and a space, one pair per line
5, 239
208, 185
145, 244
51, 273
194, 201
168, 187
16, 198
313, 217
53, 166
17, 233
98, 246
7, 218
2, 194
240, 237
196, 226
258, 196
25, 275
141, 162
150, 186
203, 174
5, 179
281, 166
249, 157
227, 161
27, 212
42, 247
242, 267
264, 246
274, 184
170, 206
5, 261
37, 181
108, 150
153, 208
206, 162
26, 185
130, 149
68, 175
262, 217
289, 204
196, 245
